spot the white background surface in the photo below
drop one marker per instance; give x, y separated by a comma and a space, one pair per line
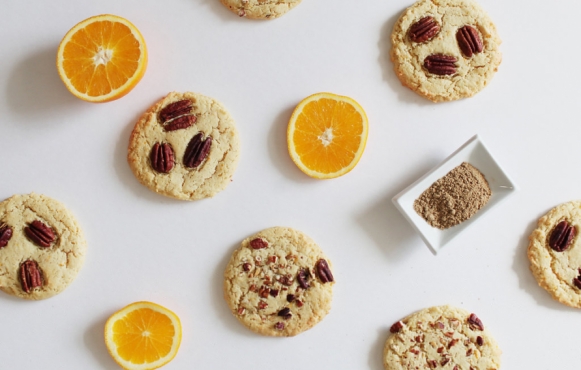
143, 246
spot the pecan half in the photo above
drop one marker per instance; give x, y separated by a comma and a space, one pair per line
475, 322
469, 41
197, 150
5, 234
258, 243
30, 275
423, 30
181, 123
161, 157
324, 271
561, 236
396, 327
39, 233
285, 313
440, 64
303, 277
176, 109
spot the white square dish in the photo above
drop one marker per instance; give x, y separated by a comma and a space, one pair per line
475, 153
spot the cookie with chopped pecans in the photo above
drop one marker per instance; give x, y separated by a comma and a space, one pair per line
279, 282
186, 147
554, 253
260, 9
42, 247
442, 337
445, 50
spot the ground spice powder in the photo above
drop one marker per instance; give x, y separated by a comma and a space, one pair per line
454, 198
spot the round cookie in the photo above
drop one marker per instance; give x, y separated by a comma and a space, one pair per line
445, 50
555, 253
42, 247
186, 147
260, 9
441, 337
279, 282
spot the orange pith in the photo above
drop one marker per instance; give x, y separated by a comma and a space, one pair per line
327, 134
102, 58
143, 336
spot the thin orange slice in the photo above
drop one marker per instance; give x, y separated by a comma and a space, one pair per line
143, 336
102, 58
327, 134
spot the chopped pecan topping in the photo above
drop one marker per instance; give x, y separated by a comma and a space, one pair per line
324, 271
241, 310
264, 292
246, 266
396, 327
479, 340
262, 305
40, 234
299, 303
161, 157
475, 322
253, 288
30, 276
452, 343
469, 41
272, 259
197, 150
258, 243
444, 361
303, 277
440, 64
433, 364
285, 313
286, 280
176, 109
561, 236
423, 30
440, 350
5, 234
469, 352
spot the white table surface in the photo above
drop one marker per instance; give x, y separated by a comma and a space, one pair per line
142, 246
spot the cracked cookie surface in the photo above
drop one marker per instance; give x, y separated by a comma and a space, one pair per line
58, 263
442, 337
275, 283
554, 269
184, 180
468, 75
260, 9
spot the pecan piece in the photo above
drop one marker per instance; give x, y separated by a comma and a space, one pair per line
479, 340
303, 277
290, 298
440, 64
258, 243
469, 41
197, 150
262, 305
246, 266
561, 236
5, 234
423, 30
30, 275
274, 292
324, 271
475, 322
40, 234
181, 123
176, 109
285, 313
396, 327
161, 157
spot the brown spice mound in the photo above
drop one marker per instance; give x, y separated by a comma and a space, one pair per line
454, 198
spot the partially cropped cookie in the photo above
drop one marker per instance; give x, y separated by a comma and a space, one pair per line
42, 247
555, 253
445, 50
186, 147
260, 9
279, 282
441, 337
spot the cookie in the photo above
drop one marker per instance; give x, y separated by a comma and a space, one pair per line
186, 147
555, 253
42, 247
446, 49
260, 9
279, 282
441, 337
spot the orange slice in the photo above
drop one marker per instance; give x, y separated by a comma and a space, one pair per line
102, 58
143, 336
327, 134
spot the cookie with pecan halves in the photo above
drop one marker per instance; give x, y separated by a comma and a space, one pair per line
186, 146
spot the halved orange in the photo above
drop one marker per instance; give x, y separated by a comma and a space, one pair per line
143, 335
102, 58
327, 134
